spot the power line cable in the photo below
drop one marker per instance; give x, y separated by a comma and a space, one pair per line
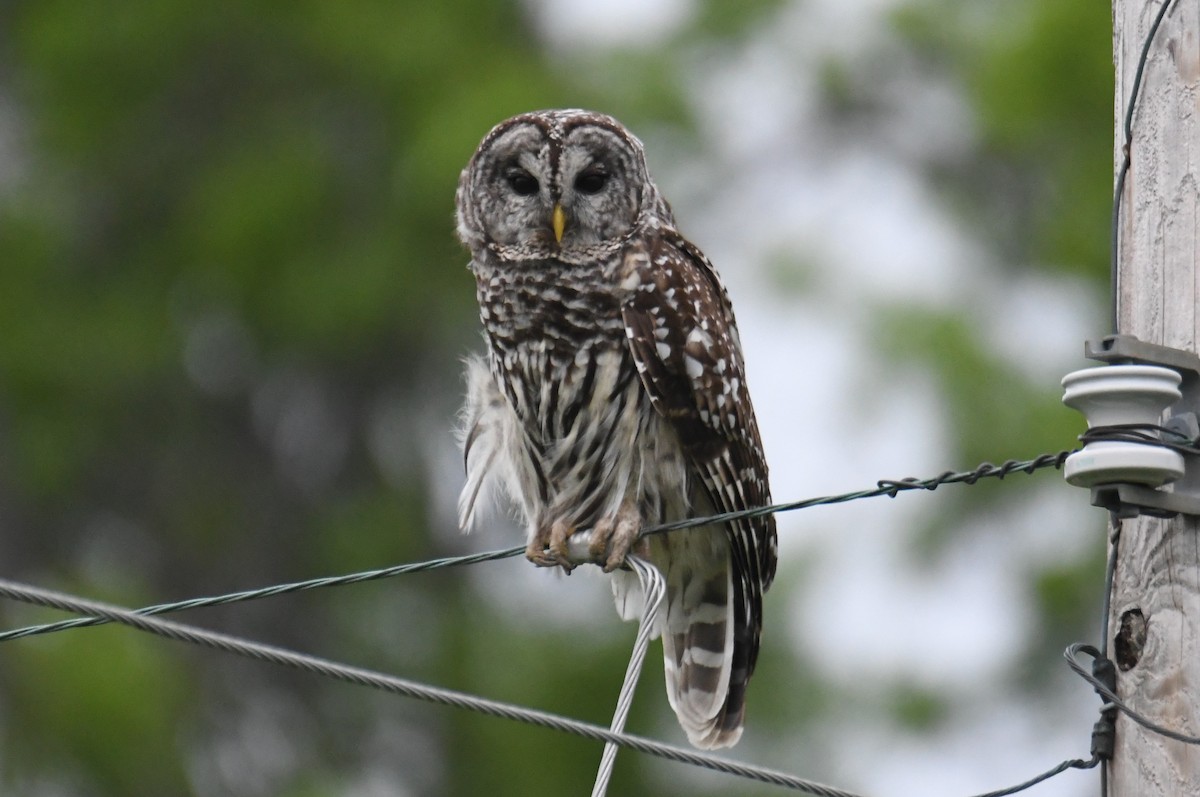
889, 487
654, 588
142, 619
449, 697
274, 590
884, 487
400, 686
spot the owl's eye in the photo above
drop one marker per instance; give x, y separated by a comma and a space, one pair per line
522, 182
591, 182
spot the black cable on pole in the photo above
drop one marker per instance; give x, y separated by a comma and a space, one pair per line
1107, 692
1075, 763
1126, 157
1149, 434
1104, 731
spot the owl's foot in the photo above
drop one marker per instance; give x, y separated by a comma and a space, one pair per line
610, 541
613, 537
548, 546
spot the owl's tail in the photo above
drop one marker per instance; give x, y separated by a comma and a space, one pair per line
706, 662
705, 633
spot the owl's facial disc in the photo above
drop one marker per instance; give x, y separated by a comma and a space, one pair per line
514, 182
568, 191
598, 180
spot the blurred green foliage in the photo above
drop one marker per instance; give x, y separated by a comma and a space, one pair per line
986, 397
1039, 77
100, 704
1037, 185
231, 304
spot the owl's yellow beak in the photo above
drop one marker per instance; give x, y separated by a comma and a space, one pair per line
558, 220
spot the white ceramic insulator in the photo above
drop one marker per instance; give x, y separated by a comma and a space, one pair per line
1122, 394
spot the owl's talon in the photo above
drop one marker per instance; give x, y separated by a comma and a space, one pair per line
614, 537
560, 532
548, 559
536, 551
600, 537
540, 557
616, 558
556, 556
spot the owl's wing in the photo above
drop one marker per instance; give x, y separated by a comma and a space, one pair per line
684, 340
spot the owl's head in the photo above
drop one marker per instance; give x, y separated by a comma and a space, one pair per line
569, 185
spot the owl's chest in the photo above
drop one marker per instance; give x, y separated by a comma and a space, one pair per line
558, 345
574, 406
549, 309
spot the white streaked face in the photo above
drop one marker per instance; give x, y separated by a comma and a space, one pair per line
581, 164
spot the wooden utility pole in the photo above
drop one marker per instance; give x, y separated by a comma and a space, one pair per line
1155, 619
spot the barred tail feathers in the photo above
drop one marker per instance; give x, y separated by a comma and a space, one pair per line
698, 653
704, 655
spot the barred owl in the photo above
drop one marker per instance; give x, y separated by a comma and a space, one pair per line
612, 395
